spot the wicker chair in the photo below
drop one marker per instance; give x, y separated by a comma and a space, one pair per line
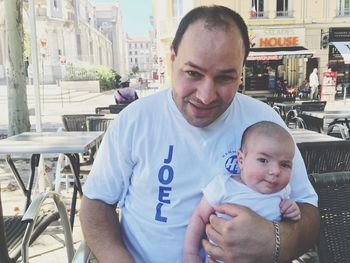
333, 190
111, 109
17, 233
323, 157
98, 123
76, 122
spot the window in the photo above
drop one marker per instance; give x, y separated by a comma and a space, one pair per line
135, 52
136, 60
55, 4
131, 60
130, 52
141, 45
177, 8
130, 46
282, 8
257, 9
343, 8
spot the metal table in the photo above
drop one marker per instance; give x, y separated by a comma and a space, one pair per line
69, 143
315, 119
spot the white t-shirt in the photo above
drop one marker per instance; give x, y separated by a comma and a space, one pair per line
224, 189
155, 164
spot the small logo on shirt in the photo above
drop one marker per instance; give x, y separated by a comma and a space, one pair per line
231, 162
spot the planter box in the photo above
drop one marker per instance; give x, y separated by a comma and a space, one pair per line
81, 85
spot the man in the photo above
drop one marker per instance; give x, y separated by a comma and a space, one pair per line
314, 82
155, 161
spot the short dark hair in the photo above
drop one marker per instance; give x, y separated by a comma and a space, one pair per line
213, 16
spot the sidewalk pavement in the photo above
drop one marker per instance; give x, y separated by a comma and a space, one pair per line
50, 247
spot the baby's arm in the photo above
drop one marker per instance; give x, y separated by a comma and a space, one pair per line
195, 231
290, 209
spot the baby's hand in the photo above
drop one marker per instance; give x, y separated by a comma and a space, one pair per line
290, 209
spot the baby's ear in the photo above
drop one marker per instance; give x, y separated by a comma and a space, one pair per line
240, 158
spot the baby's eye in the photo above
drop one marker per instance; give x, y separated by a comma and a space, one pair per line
262, 160
286, 165
193, 74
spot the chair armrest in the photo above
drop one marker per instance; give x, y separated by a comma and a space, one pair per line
83, 253
31, 216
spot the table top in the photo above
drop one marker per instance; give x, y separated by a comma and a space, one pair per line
50, 142
307, 136
328, 114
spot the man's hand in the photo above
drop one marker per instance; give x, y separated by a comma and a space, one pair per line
246, 238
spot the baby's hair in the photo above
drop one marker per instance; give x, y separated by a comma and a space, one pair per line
266, 128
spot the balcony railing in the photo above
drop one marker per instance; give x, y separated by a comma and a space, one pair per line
284, 13
258, 14
344, 12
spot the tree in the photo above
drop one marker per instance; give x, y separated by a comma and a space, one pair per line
18, 113
135, 69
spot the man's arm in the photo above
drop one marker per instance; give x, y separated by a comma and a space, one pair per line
250, 238
101, 229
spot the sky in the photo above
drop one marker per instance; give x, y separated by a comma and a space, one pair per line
135, 15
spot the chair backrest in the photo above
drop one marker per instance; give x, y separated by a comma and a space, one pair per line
98, 123
328, 156
311, 106
116, 108
4, 256
333, 191
76, 122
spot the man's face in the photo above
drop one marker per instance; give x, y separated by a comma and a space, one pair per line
206, 72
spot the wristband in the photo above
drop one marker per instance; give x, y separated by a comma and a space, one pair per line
277, 242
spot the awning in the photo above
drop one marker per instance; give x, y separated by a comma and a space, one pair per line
279, 54
344, 50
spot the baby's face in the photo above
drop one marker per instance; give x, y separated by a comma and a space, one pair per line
266, 164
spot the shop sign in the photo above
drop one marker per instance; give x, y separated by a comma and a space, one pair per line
277, 37
339, 34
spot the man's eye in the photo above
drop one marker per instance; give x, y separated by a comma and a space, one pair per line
193, 74
224, 79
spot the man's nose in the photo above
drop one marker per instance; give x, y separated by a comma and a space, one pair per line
206, 92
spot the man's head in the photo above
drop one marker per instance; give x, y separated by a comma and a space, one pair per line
208, 53
265, 157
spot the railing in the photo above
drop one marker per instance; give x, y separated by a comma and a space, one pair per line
284, 13
344, 12
259, 14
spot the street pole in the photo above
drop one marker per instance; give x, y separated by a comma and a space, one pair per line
35, 65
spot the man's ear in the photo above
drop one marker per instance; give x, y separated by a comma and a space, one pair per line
172, 55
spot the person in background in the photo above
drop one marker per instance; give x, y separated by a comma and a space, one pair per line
304, 89
125, 94
265, 160
314, 83
164, 148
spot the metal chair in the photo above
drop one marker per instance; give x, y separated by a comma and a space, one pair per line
333, 191
17, 233
338, 130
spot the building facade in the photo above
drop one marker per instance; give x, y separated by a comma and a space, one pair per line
70, 31
286, 35
139, 54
